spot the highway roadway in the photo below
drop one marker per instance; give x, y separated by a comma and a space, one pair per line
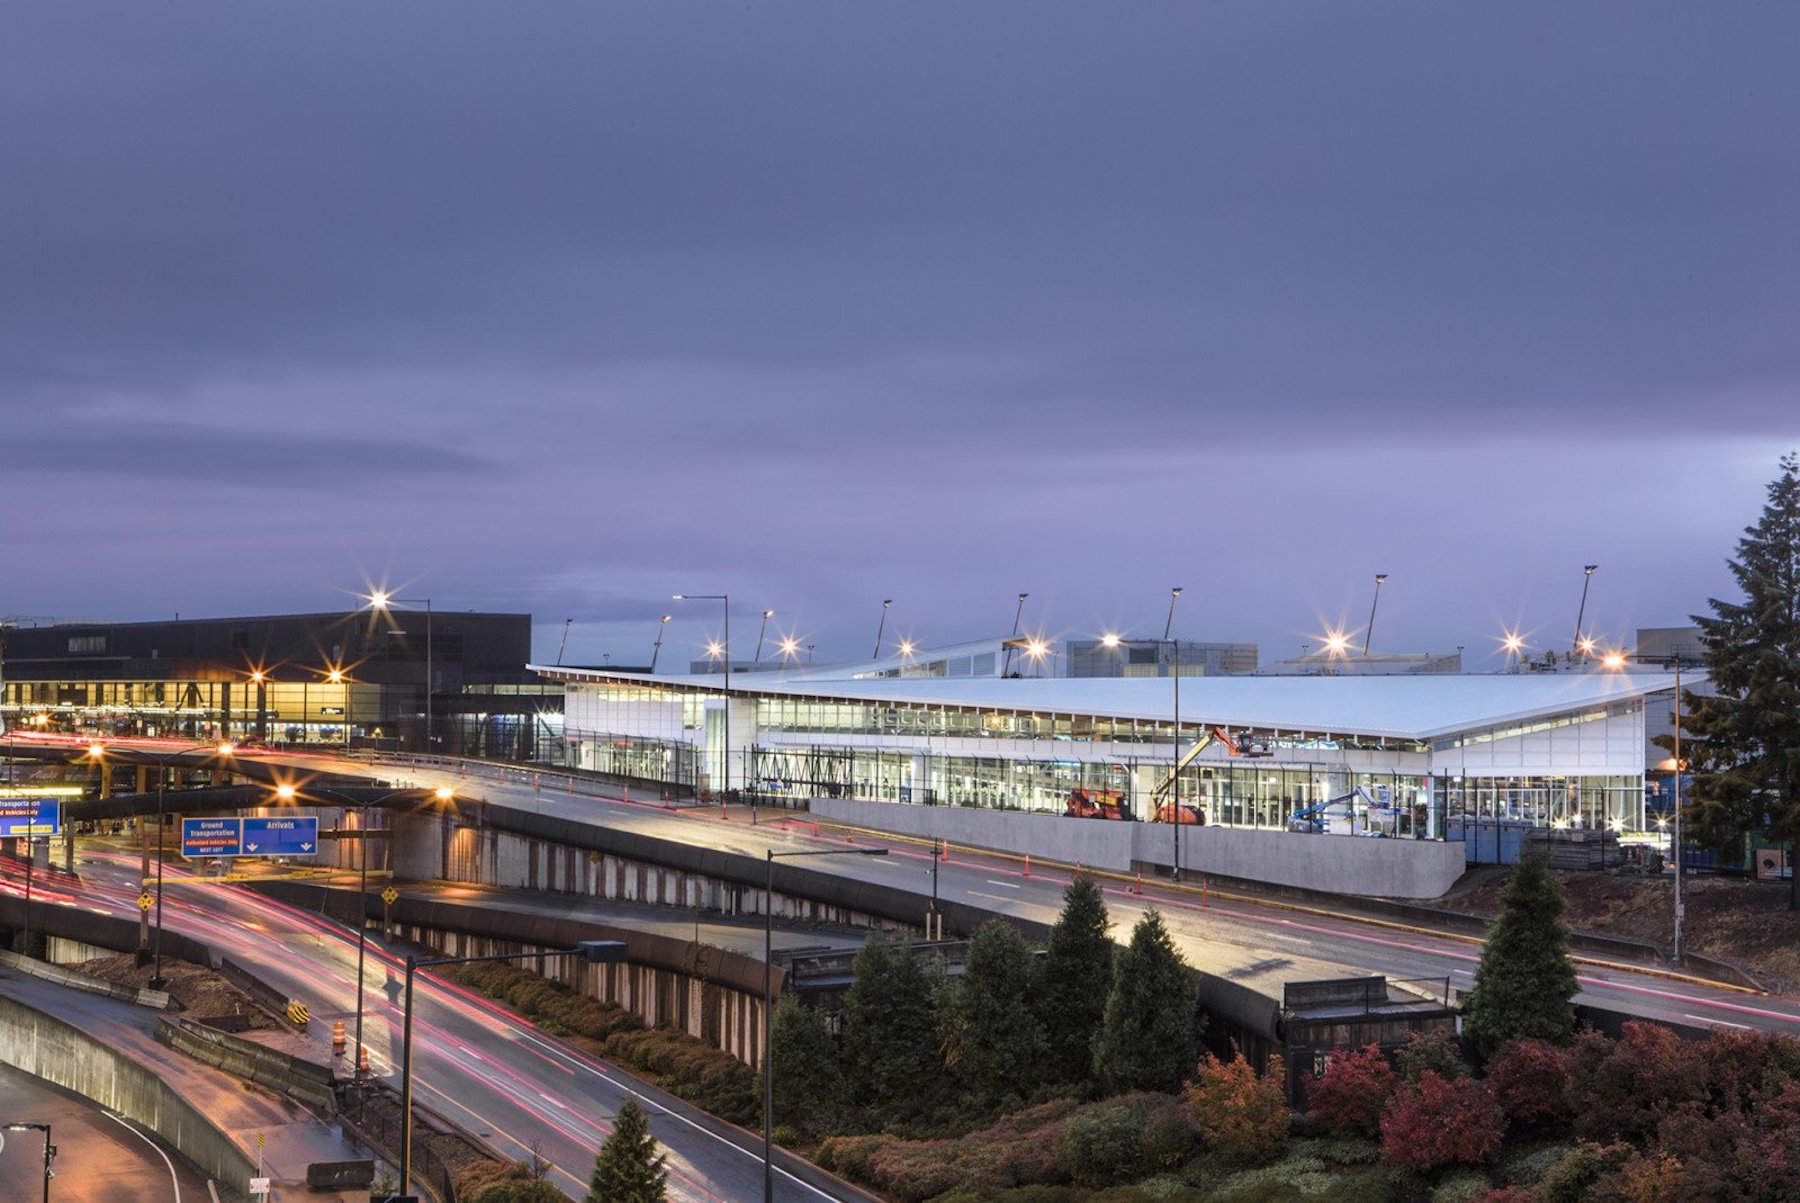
1255, 942
474, 1064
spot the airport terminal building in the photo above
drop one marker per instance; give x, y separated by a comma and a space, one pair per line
1422, 757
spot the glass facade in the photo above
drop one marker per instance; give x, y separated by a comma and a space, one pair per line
797, 747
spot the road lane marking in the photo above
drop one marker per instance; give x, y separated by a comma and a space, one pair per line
1010, 885
1742, 1027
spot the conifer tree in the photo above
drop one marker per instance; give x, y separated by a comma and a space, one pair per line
1744, 742
1147, 1032
992, 1039
628, 1168
809, 1084
1525, 985
1078, 972
891, 1060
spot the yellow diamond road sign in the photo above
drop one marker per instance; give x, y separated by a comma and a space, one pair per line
390, 895
146, 900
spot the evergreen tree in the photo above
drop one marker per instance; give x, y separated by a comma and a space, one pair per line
891, 1060
1147, 1032
1078, 973
1744, 743
809, 1084
1525, 984
628, 1168
992, 1039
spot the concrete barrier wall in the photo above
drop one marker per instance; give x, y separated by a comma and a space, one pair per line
155, 999
1332, 864
53, 1050
1099, 843
305, 1081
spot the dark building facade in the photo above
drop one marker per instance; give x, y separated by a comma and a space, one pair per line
451, 682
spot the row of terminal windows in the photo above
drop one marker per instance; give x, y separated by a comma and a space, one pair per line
794, 715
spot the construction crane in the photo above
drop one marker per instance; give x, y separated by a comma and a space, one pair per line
1233, 747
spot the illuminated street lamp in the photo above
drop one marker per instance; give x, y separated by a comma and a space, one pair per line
790, 649
381, 600
768, 1049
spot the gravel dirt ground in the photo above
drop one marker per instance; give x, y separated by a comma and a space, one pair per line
1746, 923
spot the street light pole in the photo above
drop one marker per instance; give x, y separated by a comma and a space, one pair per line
592, 952
768, 1040
380, 600
1368, 634
157, 981
1175, 675
725, 768
656, 648
49, 1149
290, 794
1586, 580
882, 629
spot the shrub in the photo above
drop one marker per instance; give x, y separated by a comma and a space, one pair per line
1355, 1090
710, 1078
1528, 1169
916, 1170
1237, 1112
1624, 1089
1167, 1138
1461, 1186
1435, 1050
1441, 1122
1104, 1144
1570, 1179
849, 1156
1530, 1079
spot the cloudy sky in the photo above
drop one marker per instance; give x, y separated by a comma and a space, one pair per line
566, 307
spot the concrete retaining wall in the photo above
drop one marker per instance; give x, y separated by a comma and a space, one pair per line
1332, 864
53, 1050
304, 1081
155, 999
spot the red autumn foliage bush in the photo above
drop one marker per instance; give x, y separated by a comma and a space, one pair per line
1441, 1122
1530, 1080
1355, 1090
1624, 1089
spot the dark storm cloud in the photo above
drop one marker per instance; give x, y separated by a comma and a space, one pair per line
317, 463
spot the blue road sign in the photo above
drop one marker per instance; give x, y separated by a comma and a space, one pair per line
266, 836
30, 816
212, 837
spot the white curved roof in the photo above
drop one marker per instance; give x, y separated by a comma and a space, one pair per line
1398, 707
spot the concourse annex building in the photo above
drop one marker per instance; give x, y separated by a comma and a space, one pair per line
1416, 757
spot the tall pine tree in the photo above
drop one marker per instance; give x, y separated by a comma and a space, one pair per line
891, 1061
992, 1040
1078, 974
1744, 742
1525, 984
1147, 1032
628, 1168
809, 1084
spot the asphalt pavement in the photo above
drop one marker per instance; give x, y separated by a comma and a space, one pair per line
100, 1157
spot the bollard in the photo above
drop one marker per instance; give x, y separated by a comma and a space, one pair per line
535, 783
1139, 887
571, 783
1028, 864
